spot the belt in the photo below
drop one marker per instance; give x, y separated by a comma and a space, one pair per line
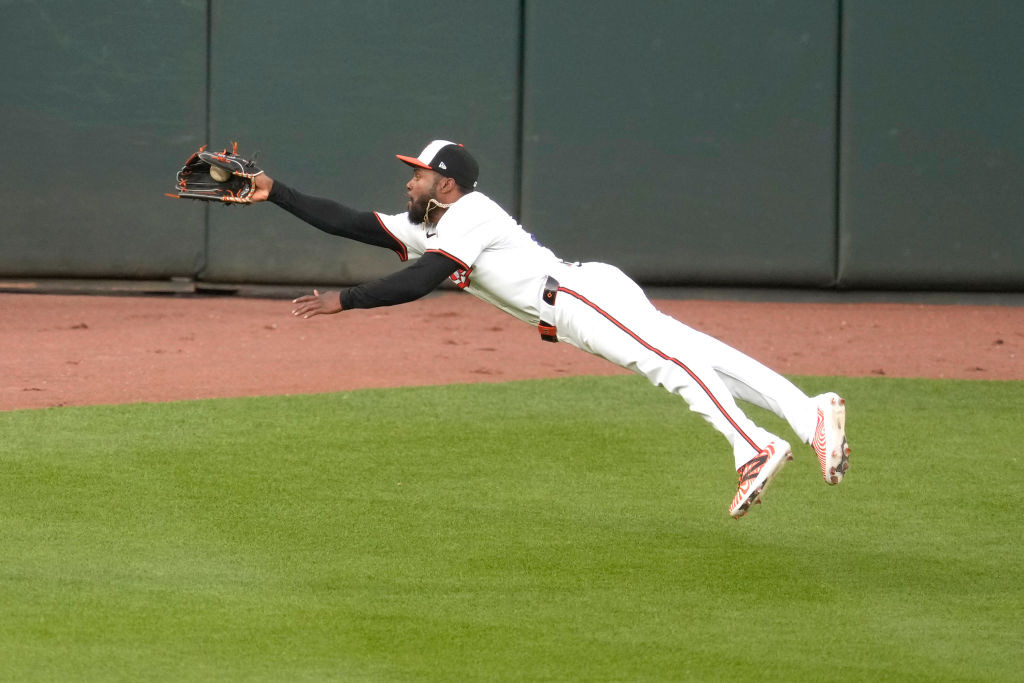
548, 332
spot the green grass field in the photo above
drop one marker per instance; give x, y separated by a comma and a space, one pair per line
575, 529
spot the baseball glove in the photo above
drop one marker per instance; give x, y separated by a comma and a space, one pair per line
217, 176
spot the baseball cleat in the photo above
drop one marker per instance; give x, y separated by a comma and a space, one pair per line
830, 438
756, 473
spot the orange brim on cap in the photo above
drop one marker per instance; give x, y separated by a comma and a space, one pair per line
412, 161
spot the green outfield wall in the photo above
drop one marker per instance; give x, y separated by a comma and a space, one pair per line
857, 144
931, 176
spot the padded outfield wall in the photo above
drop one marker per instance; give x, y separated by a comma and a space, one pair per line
808, 143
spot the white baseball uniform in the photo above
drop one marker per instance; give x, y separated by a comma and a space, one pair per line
597, 308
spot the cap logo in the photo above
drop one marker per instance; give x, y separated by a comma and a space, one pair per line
442, 165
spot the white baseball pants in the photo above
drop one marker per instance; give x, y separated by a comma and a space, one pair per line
602, 311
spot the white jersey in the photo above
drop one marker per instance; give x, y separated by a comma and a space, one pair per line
499, 261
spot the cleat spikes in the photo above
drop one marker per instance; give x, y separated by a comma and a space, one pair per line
756, 474
829, 441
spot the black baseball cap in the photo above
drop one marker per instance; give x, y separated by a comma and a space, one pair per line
449, 159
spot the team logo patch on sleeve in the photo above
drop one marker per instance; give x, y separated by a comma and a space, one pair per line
460, 277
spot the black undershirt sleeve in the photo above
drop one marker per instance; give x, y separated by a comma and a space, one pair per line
408, 284
405, 285
335, 218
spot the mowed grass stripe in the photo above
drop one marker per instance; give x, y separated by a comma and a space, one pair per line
569, 529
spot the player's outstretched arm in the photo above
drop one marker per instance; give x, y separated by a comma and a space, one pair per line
332, 217
400, 287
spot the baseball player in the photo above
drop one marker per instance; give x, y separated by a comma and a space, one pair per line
450, 230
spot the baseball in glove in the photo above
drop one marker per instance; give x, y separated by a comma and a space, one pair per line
217, 176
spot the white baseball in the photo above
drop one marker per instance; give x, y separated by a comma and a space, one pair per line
219, 174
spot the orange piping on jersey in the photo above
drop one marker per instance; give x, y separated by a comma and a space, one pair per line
445, 253
403, 253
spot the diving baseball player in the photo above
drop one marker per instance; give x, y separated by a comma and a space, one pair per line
451, 230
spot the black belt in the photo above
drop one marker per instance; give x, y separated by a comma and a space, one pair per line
547, 331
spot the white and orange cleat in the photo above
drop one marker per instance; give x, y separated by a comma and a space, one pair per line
830, 438
756, 473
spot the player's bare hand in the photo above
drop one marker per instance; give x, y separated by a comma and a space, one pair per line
317, 303
262, 185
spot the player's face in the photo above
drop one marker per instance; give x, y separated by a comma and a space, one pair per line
421, 188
